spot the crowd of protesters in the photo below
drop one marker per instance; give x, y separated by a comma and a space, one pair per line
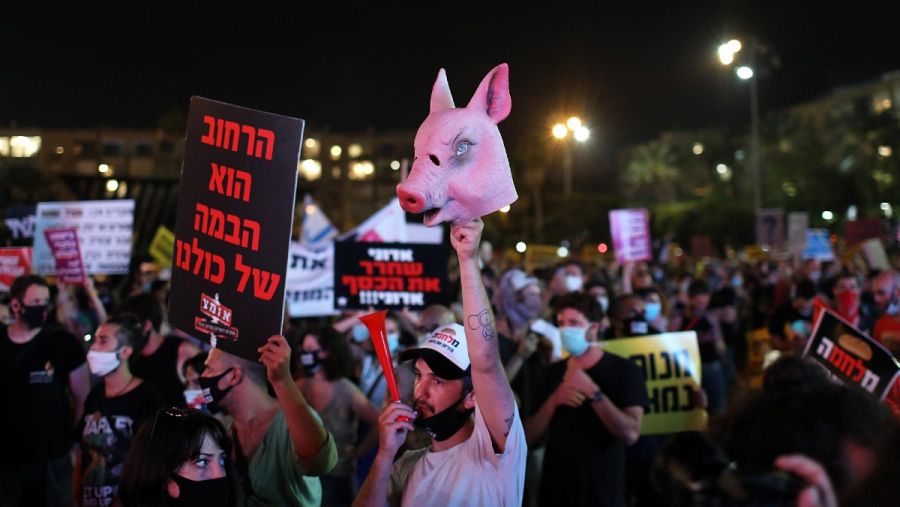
106, 404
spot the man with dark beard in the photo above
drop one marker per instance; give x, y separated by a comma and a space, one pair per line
478, 452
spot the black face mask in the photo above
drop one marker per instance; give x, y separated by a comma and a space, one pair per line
310, 362
445, 423
212, 395
209, 492
33, 316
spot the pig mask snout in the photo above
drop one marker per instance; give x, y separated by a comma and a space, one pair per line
411, 200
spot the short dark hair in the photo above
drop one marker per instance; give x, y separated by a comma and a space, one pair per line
806, 289
20, 285
198, 363
338, 363
160, 447
130, 333
580, 302
698, 287
146, 307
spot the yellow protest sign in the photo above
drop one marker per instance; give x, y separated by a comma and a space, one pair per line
162, 246
671, 366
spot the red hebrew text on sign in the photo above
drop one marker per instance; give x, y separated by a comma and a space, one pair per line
202, 259
213, 222
231, 182
227, 135
264, 282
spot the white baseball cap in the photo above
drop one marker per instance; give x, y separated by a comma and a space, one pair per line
445, 350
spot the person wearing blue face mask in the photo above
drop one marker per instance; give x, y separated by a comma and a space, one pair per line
325, 361
592, 408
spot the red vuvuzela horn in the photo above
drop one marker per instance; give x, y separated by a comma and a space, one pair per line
374, 322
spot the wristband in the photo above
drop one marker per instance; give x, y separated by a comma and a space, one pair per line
598, 396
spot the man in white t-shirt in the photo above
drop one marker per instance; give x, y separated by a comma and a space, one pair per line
461, 397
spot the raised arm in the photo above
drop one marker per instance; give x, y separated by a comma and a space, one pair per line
307, 433
495, 397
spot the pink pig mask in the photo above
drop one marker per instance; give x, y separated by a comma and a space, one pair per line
460, 171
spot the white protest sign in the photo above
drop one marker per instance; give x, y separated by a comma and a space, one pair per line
104, 233
309, 283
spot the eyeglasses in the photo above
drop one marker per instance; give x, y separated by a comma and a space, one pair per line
170, 413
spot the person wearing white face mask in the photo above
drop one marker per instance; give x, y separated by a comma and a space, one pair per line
113, 412
593, 407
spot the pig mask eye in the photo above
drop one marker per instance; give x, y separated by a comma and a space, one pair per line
462, 148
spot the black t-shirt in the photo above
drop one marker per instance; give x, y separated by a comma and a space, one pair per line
107, 429
704, 329
34, 380
161, 370
584, 464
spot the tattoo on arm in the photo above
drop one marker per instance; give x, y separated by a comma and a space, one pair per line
484, 321
509, 421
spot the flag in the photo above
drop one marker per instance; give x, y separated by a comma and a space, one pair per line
316, 232
387, 225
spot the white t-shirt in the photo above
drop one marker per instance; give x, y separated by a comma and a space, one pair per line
470, 473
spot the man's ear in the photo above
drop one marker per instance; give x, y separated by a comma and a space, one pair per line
237, 376
148, 327
469, 400
126, 352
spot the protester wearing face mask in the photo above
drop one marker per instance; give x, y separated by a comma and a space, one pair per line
41, 368
791, 325
592, 408
462, 397
113, 411
846, 301
887, 298
654, 308
280, 443
630, 318
181, 457
193, 393
325, 360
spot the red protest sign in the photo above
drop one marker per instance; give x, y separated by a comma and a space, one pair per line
14, 262
63, 243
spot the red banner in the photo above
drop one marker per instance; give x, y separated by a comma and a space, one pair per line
14, 262
63, 243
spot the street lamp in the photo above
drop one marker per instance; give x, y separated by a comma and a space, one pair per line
560, 132
727, 53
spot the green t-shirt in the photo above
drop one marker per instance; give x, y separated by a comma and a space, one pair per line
279, 477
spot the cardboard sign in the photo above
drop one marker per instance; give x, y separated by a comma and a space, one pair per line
104, 234
14, 262
63, 243
770, 227
162, 246
630, 231
310, 281
389, 275
671, 366
20, 221
233, 225
818, 245
850, 355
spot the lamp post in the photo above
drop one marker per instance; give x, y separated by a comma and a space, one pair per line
727, 54
574, 128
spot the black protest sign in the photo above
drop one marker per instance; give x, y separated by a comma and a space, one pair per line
20, 221
233, 226
851, 356
389, 275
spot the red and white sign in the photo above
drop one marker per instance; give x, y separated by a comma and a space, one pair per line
63, 243
630, 230
14, 262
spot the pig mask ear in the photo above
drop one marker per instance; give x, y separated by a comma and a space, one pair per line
492, 95
440, 93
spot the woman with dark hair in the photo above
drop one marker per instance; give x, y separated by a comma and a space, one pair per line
113, 411
325, 360
180, 459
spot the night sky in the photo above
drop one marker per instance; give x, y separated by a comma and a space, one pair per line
632, 70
